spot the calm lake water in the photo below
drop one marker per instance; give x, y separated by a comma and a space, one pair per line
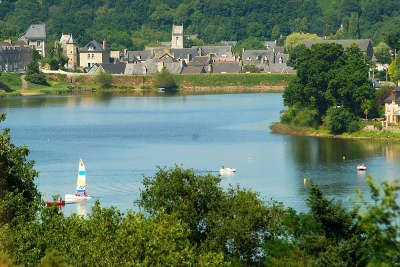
121, 139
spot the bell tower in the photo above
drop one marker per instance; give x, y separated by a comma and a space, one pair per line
177, 36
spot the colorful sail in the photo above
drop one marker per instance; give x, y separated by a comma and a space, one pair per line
81, 181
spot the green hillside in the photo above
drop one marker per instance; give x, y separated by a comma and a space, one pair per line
133, 24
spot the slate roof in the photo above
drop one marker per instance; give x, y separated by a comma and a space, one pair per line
200, 61
270, 43
97, 47
139, 55
222, 67
388, 99
36, 32
141, 68
118, 68
184, 53
363, 44
194, 69
218, 50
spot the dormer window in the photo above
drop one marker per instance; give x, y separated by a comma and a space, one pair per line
90, 48
37, 43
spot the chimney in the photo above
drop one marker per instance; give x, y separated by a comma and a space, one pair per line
104, 44
393, 96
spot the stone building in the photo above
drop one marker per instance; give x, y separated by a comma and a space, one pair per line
35, 37
177, 36
70, 50
94, 53
365, 45
14, 57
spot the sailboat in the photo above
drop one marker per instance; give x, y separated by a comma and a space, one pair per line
80, 186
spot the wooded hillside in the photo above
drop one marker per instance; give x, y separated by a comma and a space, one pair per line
135, 23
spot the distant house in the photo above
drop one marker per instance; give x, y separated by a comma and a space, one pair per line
94, 53
186, 54
116, 56
226, 67
14, 56
392, 108
218, 53
271, 60
138, 56
200, 64
365, 45
118, 68
35, 37
70, 50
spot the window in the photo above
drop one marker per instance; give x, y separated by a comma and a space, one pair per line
88, 65
38, 43
92, 55
88, 56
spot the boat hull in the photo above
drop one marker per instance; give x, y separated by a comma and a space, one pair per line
71, 198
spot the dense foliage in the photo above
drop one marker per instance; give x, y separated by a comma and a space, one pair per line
330, 77
124, 23
33, 74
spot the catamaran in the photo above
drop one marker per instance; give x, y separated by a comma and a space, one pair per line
80, 186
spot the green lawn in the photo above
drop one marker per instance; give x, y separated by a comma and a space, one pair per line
10, 81
242, 79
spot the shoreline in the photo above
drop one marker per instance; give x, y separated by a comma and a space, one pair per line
285, 129
62, 84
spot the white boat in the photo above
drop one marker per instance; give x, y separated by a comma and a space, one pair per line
80, 186
226, 171
361, 167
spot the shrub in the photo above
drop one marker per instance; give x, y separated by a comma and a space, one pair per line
378, 125
164, 79
37, 78
251, 69
104, 79
339, 120
304, 117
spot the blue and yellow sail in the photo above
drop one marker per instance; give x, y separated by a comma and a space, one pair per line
81, 180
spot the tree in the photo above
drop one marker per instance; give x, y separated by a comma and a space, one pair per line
354, 30
19, 198
382, 53
104, 79
393, 70
164, 79
33, 74
275, 32
295, 39
328, 76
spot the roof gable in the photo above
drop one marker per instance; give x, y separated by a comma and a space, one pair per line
36, 32
92, 46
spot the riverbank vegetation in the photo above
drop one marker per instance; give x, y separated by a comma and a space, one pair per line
189, 219
332, 93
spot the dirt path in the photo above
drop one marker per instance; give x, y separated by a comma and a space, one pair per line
24, 83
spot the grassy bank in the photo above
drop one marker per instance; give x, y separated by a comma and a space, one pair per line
287, 129
60, 84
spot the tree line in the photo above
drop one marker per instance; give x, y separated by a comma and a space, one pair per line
133, 24
189, 219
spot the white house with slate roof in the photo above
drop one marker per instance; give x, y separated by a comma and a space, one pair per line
35, 37
94, 53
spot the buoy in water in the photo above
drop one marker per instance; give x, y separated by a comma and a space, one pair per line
305, 181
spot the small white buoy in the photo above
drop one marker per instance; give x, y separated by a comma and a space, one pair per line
344, 157
305, 181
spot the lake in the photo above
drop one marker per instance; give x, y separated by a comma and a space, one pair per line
122, 139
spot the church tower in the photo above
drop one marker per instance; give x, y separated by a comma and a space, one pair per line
72, 53
177, 36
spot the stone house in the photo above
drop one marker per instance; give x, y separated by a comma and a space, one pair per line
14, 56
272, 60
94, 53
137, 56
218, 52
35, 37
70, 50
